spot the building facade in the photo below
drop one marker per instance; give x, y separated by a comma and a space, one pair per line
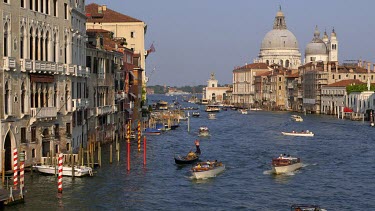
213, 93
43, 78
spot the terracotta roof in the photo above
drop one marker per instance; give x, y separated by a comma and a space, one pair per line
253, 66
345, 83
97, 31
264, 74
106, 16
293, 75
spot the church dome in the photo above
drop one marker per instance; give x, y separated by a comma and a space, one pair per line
279, 39
316, 46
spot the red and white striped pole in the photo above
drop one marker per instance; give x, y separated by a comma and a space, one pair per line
22, 173
15, 168
59, 180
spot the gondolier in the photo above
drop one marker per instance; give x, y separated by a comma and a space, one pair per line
198, 150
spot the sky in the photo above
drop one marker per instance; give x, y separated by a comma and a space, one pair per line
194, 38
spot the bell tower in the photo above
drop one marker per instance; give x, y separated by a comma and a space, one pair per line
333, 47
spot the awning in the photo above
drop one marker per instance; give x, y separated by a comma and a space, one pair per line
348, 110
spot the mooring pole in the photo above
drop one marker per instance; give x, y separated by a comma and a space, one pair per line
144, 150
128, 147
59, 181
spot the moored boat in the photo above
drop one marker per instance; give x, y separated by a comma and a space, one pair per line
243, 111
79, 171
212, 108
203, 170
151, 131
302, 133
296, 118
285, 163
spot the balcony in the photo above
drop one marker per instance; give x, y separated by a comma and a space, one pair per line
102, 110
9, 63
120, 95
26, 65
45, 112
71, 69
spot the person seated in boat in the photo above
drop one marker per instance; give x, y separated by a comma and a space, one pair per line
191, 154
293, 131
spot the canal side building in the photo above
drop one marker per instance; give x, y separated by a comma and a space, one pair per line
43, 78
214, 93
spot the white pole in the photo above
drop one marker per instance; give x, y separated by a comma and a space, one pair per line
188, 121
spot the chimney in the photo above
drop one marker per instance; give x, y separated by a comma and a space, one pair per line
337, 66
100, 9
104, 7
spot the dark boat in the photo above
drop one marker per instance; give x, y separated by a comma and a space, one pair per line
174, 127
190, 158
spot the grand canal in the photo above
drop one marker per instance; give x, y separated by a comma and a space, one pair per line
338, 171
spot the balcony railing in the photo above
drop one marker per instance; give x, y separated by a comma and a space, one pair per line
45, 112
104, 110
9, 63
26, 65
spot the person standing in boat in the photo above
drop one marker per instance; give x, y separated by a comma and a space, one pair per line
198, 150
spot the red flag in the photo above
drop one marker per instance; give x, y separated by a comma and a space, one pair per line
152, 48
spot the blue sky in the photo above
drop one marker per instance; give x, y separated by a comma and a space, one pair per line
196, 37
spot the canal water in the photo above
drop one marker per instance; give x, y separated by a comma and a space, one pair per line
337, 174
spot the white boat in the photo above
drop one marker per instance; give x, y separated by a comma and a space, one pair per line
285, 163
294, 133
203, 170
296, 118
211, 116
196, 114
203, 131
212, 108
79, 171
243, 111
255, 109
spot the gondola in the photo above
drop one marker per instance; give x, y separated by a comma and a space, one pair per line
190, 158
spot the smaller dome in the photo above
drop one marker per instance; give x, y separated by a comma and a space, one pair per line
280, 14
316, 47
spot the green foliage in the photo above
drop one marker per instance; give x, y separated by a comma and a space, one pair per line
359, 88
192, 89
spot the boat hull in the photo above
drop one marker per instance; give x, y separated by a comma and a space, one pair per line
79, 171
286, 169
298, 134
209, 173
181, 160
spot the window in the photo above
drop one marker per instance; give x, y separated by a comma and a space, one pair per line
5, 52
23, 135
36, 5
55, 8
23, 98
23, 3
6, 1
57, 131
66, 11
31, 4
132, 34
33, 134
68, 128
6, 98
47, 7
339, 76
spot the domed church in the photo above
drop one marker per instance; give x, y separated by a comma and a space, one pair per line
280, 46
322, 49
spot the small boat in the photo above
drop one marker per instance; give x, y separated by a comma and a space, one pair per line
306, 207
255, 109
196, 114
151, 131
203, 131
190, 158
296, 118
211, 116
203, 170
212, 108
243, 111
79, 171
303, 133
285, 163
174, 126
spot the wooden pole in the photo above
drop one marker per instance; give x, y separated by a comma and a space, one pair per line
71, 161
92, 154
128, 148
110, 154
88, 156
3, 168
99, 155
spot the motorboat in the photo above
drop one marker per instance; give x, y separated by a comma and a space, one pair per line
196, 114
203, 170
151, 131
190, 158
285, 163
255, 109
204, 131
306, 207
306, 133
211, 116
296, 118
79, 171
243, 111
212, 108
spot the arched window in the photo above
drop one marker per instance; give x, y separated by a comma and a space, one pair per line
287, 63
46, 47
281, 63
6, 98
23, 98
22, 42
31, 44
41, 43
66, 97
5, 40
65, 49
267, 62
46, 93
55, 95
36, 45
54, 47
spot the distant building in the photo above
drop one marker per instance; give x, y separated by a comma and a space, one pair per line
213, 93
280, 46
322, 49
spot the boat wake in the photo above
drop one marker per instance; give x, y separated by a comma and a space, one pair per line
268, 172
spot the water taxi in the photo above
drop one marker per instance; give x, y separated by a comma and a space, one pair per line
285, 163
296, 118
243, 111
302, 133
203, 170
